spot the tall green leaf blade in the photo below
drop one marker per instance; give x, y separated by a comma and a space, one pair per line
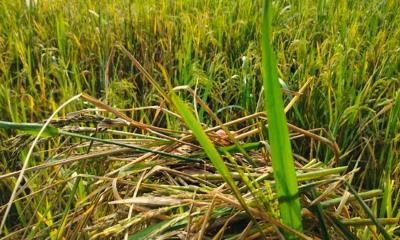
281, 152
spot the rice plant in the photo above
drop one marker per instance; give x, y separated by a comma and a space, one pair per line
185, 113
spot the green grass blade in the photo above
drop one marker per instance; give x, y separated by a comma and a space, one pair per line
50, 131
318, 211
203, 139
282, 159
343, 229
149, 230
140, 149
31, 128
67, 209
210, 150
369, 213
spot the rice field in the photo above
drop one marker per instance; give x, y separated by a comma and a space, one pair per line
201, 119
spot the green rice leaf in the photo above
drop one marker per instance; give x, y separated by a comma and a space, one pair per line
149, 230
204, 141
378, 225
30, 128
343, 229
281, 152
210, 150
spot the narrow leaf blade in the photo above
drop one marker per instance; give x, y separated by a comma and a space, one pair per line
282, 159
31, 128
